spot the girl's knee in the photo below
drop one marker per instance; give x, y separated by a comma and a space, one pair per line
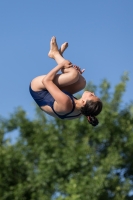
74, 74
82, 82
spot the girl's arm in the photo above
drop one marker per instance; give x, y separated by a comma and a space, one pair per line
61, 98
65, 64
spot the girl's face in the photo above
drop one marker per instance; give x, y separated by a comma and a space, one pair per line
87, 95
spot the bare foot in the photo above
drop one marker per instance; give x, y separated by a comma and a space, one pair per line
53, 47
63, 48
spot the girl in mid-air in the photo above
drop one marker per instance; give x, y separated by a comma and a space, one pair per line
54, 92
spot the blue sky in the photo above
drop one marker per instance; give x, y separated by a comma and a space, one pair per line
99, 33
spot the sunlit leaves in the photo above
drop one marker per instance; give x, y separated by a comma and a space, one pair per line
70, 158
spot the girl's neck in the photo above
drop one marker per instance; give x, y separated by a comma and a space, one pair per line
77, 104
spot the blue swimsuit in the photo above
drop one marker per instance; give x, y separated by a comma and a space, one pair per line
43, 98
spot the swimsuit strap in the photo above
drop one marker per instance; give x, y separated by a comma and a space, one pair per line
65, 116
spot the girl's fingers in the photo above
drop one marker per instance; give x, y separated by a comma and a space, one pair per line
79, 69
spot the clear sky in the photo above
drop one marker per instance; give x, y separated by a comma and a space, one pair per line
99, 33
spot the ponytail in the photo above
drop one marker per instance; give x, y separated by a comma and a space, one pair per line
92, 120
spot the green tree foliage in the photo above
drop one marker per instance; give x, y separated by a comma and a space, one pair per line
70, 159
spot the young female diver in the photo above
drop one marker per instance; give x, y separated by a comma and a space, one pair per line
54, 92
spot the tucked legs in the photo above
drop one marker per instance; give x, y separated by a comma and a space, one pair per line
70, 80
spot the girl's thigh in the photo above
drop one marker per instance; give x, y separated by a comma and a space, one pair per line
69, 77
71, 82
75, 87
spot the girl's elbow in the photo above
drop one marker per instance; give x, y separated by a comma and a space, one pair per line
44, 81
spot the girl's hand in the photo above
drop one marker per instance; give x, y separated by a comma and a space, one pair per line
78, 69
66, 64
